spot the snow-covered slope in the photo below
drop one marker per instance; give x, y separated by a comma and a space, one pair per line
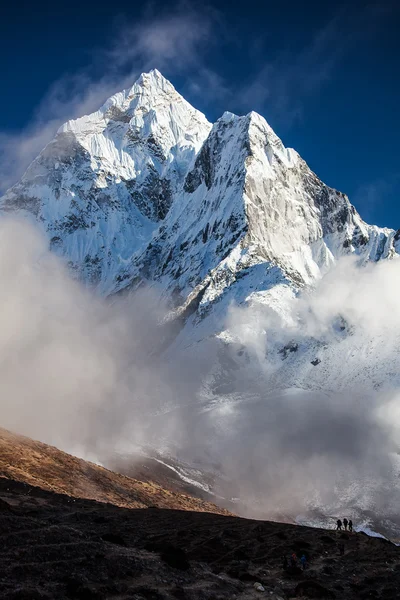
102, 186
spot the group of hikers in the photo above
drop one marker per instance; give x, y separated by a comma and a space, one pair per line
346, 524
293, 562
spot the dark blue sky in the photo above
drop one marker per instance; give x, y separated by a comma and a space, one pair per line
324, 75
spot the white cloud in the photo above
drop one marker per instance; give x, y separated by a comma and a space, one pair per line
173, 41
76, 371
83, 375
300, 435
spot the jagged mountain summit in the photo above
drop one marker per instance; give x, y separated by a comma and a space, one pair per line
146, 189
103, 185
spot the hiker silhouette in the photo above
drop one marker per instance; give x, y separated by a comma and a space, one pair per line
345, 523
339, 525
303, 561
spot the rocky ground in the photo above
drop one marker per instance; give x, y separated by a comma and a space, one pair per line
54, 546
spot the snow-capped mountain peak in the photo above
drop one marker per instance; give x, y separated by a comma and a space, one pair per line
155, 79
251, 205
151, 107
146, 187
105, 181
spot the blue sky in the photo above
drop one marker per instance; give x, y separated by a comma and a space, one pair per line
324, 75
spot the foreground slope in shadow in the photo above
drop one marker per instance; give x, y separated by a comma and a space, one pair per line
53, 546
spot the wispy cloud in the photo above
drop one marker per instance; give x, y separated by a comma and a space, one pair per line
68, 98
209, 86
173, 42
283, 84
183, 43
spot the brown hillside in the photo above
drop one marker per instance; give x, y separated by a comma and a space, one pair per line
48, 468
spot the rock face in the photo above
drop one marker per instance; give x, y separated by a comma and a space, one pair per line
146, 188
251, 210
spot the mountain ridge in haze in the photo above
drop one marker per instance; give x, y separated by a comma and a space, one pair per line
35, 463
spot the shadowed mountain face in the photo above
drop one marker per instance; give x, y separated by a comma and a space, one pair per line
46, 467
53, 546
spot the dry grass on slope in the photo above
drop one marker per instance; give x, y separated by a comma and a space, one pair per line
48, 468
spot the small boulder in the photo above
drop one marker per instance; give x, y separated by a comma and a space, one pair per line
259, 587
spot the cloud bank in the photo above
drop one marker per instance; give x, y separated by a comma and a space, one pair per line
291, 435
173, 41
73, 369
280, 434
